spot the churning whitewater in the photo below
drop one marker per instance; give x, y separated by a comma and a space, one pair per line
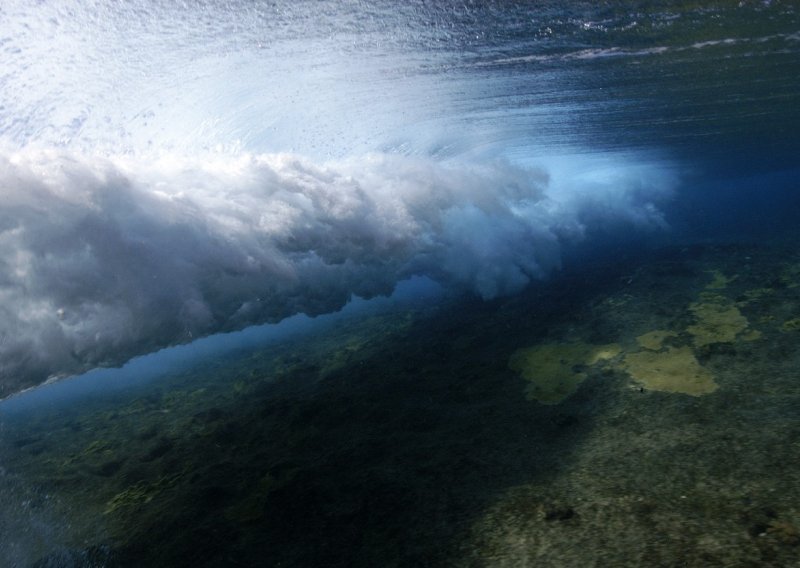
107, 258
173, 171
166, 178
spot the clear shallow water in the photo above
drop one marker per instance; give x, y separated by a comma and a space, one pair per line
173, 172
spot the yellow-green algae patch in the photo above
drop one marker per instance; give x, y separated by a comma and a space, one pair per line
712, 297
674, 370
654, 340
751, 335
720, 281
791, 325
554, 370
141, 493
718, 321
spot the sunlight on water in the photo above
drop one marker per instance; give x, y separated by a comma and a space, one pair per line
331, 79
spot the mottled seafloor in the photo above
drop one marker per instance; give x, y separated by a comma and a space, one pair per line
403, 438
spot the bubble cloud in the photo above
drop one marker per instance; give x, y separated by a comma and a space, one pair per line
106, 258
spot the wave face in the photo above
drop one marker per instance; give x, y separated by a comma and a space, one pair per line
173, 171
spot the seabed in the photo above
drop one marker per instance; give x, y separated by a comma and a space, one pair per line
642, 413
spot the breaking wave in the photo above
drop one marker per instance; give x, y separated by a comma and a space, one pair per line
106, 258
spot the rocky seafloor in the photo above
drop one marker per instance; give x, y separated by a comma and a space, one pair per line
637, 413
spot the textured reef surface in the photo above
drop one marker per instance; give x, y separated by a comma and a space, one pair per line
640, 413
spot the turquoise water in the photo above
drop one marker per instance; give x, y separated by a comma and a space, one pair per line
196, 191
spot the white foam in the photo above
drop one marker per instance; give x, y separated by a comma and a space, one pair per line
105, 258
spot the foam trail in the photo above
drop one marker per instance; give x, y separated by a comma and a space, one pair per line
107, 258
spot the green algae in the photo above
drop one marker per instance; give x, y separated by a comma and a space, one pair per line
719, 280
141, 493
791, 325
674, 370
716, 321
554, 371
655, 339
